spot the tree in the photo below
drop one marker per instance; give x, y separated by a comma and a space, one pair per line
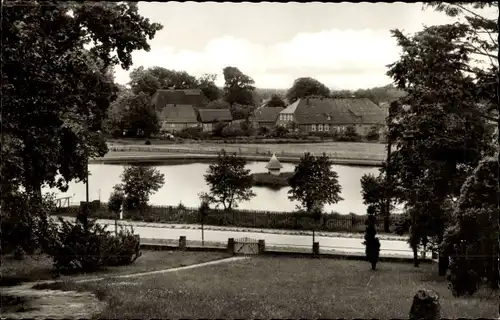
218, 104
441, 134
132, 115
373, 192
276, 102
314, 184
115, 204
304, 87
150, 80
229, 181
472, 239
207, 84
238, 87
138, 183
140, 117
58, 96
241, 112
372, 243
203, 211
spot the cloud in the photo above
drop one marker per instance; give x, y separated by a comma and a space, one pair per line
347, 59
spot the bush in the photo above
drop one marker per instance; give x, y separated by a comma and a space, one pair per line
191, 133
350, 135
75, 249
148, 142
266, 179
233, 130
373, 134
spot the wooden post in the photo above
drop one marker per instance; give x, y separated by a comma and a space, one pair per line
262, 246
230, 246
182, 243
316, 248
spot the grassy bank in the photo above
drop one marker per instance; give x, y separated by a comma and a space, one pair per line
265, 179
337, 150
264, 288
332, 222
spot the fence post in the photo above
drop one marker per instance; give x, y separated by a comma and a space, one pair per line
316, 248
262, 246
230, 246
182, 243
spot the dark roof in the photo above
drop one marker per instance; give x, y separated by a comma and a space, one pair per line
164, 97
340, 110
180, 113
211, 115
266, 114
274, 163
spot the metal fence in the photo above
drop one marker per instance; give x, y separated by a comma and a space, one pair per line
238, 218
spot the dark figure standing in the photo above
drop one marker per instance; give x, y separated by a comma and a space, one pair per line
371, 242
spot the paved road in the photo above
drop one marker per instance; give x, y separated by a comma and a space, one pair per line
354, 245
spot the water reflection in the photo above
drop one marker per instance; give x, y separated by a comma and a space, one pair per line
183, 183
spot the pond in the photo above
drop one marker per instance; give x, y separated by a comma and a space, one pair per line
183, 183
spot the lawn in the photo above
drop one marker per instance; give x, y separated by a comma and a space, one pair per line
351, 150
38, 267
283, 288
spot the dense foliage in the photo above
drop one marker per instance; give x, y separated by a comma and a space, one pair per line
75, 249
276, 102
472, 238
25, 222
304, 87
229, 181
238, 87
314, 184
132, 115
440, 127
55, 100
138, 183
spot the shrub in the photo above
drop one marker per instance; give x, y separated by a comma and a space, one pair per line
266, 179
350, 135
280, 131
75, 249
217, 128
373, 134
234, 129
148, 142
263, 131
190, 133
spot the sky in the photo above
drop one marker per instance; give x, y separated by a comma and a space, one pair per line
343, 45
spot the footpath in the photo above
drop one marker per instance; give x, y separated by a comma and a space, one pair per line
135, 224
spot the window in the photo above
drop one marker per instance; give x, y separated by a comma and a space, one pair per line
327, 127
290, 117
313, 127
320, 127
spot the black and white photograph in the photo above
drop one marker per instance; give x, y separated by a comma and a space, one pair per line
249, 160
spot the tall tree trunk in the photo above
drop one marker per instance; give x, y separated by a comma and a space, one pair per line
443, 259
416, 262
202, 234
498, 150
386, 191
